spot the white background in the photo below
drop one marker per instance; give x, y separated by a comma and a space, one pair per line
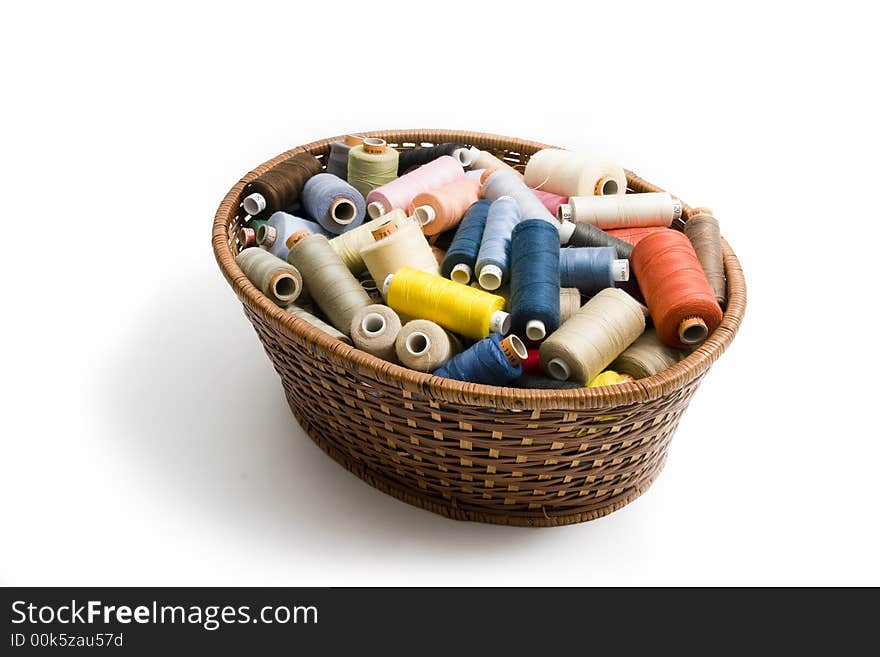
145, 437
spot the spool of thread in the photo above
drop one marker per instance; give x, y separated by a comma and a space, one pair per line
671, 278
398, 245
329, 282
505, 182
333, 203
569, 302
588, 235
399, 193
633, 235
597, 333
247, 237
280, 187
461, 256
532, 363
704, 233
534, 279
646, 357
278, 280
371, 165
606, 378
541, 382
622, 210
475, 173
337, 161
591, 268
273, 234
550, 201
348, 245
488, 161
494, 361
424, 346
456, 307
374, 329
493, 258
416, 157
442, 209
574, 174
318, 323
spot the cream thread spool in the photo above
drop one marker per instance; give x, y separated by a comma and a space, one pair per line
423, 345
567, 173
622, 210
348, 245
278, 280
398, 245
374, 329
329, 282
318, 323
593, 337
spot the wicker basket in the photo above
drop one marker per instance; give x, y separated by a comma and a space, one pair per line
468, 451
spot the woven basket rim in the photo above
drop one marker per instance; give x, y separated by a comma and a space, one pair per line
448, 390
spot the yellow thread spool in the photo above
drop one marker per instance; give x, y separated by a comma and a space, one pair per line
459, 308
606, 378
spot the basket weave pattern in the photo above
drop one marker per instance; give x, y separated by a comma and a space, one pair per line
469, 451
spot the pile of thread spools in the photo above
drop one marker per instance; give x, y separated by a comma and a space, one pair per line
446, 259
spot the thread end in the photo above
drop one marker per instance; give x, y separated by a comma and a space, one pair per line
558, 369
514, 350
461, 273
254, 204
490, 277
620, 270
535, 330
375, 210
499, 322
692, 330
566, 230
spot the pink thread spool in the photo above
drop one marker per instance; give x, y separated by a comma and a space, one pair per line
399, 193
550, 201
442, 208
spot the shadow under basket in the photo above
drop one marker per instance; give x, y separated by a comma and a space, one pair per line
468, 451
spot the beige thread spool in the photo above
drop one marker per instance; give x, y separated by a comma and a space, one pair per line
703, 231
374, 329
569, 302
622, 210
348, 245
573, 174
278, 280
646, 357
396, 245
318, 323
329, 282
424, 346
593, 337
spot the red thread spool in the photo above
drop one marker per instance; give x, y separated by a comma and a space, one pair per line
670, 276
634, 235
532, 363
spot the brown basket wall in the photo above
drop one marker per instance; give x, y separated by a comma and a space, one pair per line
468, 451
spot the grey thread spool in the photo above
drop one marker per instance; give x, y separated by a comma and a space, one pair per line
704, 233
593, 337
329, 282
424, 346
337, 161
318, 323
646, 357
374, 329
278, 280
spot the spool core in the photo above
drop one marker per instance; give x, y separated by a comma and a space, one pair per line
461, 273
296, 237
620, 270
387, 284
375, 210
417, 343
266, 235
514, 350
384, 231
563, 213
343, 211
466, 155
692, 330
374, 146
566, 230
284, 286
607, 187
424, 214
499, 322
558, 369
254, 204
535, 330
373, 324
353, 140
247, 237
490, 277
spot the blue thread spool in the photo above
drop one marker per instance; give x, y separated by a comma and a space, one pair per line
274, 233
333, 203
534, 279
494, 256
461, 256
591, 268
492, 361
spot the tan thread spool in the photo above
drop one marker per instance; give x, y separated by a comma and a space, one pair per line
703, 231
396, 245
318, 323
569, 302
646, 357
622, 210
374, 329
278, 280
329, 282
424, 346
593, 337
348, 245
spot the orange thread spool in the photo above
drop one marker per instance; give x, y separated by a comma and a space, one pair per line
442, 208
672, 280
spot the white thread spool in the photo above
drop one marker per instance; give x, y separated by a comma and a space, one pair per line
574, 174
622, 211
